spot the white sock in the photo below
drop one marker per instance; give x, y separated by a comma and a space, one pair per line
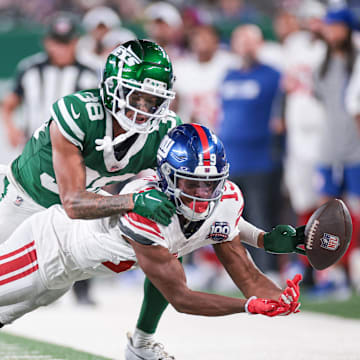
141, 338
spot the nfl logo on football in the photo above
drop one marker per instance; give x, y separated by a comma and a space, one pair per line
330, 242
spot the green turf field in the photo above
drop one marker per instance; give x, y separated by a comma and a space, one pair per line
19, 348
347, 309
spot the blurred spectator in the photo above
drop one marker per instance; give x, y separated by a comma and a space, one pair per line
231, 13
164, 26
339, 150
130, 10
113, 39
41, 80
97, 22
199, 75
272, 52
44, 77
304, 50
248, 95
285, 23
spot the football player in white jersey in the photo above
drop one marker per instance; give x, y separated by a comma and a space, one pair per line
49, 251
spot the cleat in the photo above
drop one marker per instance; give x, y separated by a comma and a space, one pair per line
150, 351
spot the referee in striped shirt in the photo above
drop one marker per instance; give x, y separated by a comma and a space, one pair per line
41, 79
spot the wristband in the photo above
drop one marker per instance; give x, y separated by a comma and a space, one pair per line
247, 304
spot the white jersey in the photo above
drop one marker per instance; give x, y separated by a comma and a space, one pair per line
197, 87
70, 250
304, 113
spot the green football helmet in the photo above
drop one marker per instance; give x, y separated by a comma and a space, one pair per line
136, 86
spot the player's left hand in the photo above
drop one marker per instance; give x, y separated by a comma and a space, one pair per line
285, 239
154, 205
267, 307
291, 294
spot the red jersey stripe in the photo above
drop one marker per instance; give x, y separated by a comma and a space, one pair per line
2, 257
143, 220
122, 266
204, 143
142, 228
18, 263
19, 276
147, 189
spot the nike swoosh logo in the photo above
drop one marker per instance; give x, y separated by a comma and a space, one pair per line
73, 113
148, 196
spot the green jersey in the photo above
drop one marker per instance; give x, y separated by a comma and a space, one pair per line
81, 118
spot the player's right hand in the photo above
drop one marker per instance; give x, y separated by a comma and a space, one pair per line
154, 205
267, 307
291, 294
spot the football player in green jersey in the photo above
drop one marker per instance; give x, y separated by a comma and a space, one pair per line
94, 138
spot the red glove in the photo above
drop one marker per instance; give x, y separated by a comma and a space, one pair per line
290, 295
266, 307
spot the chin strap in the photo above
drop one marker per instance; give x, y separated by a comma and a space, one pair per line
106, 144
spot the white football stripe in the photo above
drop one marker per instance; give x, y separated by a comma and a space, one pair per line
69, 120
19, 271
64, 133
11, 258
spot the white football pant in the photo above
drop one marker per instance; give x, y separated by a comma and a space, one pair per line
21, 287
15, 207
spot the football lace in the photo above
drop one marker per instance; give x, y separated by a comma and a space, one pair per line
311, 235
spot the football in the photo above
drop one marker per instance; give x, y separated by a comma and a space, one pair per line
328, 234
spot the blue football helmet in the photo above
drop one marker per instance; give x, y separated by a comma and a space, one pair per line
192, 167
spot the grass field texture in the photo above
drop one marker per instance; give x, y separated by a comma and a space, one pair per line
19, 348
349, 309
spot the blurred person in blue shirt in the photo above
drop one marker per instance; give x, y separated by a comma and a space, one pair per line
247, 96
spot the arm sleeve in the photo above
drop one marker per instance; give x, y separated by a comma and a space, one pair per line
69, 117
141, 230
248, 232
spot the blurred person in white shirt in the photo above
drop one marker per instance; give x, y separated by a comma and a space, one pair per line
272, 52
97, 22
199, 76
113, 39
338, 168
164, 25
304, 50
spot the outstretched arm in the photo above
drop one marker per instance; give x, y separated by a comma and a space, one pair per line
283, 239
167, 274
248, 278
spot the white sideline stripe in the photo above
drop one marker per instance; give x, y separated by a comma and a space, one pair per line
11, 258
69, 120
37, 357
12, 351
18, 271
